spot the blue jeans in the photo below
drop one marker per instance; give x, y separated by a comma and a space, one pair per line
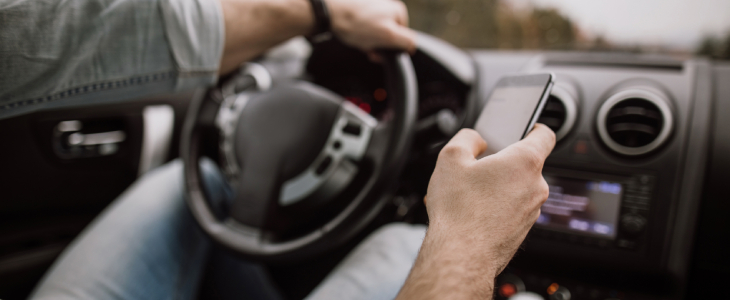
146, 245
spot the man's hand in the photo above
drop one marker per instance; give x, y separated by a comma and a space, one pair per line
254, 26
479, 212
372, 24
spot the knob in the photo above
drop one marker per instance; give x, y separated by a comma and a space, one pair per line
526, 296
632, 224
558, 292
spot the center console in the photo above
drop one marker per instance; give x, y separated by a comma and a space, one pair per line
625, 176
598, 210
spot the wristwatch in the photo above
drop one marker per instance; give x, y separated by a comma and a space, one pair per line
322, 21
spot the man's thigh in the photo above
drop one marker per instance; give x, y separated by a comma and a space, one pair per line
144, 246
377, 268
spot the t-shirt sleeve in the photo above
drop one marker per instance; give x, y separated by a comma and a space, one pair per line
81, 52
195, 32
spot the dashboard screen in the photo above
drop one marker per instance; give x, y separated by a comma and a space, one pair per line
588, 207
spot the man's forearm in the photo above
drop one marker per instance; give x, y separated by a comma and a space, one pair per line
254, 26
448, 268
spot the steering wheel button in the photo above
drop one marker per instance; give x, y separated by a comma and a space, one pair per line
352, 129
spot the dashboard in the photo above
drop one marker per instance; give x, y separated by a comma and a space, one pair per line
625, 177
629, 176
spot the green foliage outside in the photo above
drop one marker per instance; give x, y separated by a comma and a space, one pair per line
493, 24
713, 47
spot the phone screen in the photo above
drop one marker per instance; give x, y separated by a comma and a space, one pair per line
512, 109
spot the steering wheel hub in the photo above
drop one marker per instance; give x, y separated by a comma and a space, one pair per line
279, 134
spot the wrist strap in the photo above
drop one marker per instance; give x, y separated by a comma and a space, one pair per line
322, 22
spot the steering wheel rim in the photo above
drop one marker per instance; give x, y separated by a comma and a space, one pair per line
390, 141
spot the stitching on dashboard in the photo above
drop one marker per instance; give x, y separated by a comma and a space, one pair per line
98, 86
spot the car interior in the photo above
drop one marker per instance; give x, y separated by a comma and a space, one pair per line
636, 178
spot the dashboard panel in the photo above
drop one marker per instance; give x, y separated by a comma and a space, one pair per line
625, 177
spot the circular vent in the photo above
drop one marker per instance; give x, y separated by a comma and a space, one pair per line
559, 112
634, 122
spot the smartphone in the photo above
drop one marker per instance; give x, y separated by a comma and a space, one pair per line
512, 110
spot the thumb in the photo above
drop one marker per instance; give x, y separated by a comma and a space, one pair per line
464, 146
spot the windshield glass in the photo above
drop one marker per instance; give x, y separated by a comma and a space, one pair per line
675, 27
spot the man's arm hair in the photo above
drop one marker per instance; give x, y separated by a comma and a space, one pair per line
254, 26
479, 213
450, 270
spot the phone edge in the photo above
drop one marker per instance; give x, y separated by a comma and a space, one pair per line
540, 106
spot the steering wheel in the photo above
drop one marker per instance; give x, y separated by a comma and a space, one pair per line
309, 169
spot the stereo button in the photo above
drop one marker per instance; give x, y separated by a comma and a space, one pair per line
626, 244
632, 224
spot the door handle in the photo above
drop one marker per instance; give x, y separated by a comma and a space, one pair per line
101, 138
70, 142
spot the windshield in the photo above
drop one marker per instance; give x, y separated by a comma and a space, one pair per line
675, 27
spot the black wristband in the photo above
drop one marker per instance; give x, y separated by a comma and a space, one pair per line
322, 22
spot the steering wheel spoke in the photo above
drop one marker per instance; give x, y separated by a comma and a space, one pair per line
256, 191
337, 163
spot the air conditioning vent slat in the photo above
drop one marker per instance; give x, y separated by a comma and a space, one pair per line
553, 123
639, 128
634, 122
553, 115
635, 111
559, 112
554, 105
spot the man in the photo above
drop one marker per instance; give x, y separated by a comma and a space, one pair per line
146, 245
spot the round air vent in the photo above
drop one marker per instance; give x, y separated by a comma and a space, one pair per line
635, 122
560, 112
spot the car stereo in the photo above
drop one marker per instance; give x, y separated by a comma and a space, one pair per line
596, 209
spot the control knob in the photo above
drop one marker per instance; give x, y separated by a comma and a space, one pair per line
632, 224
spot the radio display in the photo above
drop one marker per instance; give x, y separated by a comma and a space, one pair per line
581, 206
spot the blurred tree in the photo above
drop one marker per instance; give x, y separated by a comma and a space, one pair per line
510, 27
724, 51
714, 47
548, 29
492, 24
708, 46
465, 23
601, 44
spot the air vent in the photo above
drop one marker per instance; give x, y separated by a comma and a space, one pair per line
553, 115
634, 122
560, 112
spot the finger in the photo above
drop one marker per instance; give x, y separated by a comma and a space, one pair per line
375, 57
403, 38
537, 145
466, 145
541, 138
401, 15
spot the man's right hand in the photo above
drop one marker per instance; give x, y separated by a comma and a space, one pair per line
372, 24
479, 212
254, 26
